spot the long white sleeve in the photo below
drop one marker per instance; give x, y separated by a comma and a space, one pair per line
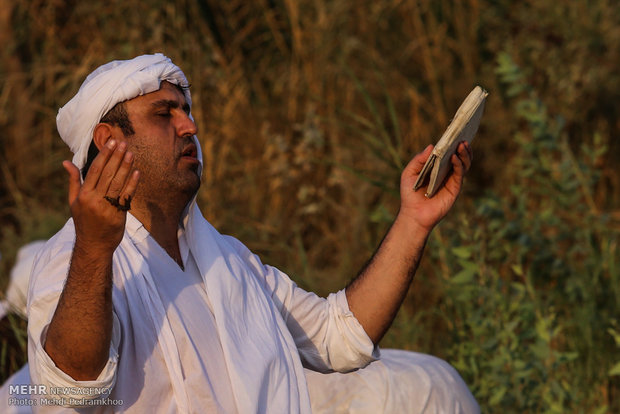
327, 334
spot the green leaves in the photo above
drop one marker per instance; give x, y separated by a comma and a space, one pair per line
615, 370
531, 273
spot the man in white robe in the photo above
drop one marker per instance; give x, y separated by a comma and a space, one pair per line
138, 304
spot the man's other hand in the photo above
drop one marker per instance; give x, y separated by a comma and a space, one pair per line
427, 212
98, 223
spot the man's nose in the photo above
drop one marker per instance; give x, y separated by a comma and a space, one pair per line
185, 125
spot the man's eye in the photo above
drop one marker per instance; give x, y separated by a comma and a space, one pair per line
164, 114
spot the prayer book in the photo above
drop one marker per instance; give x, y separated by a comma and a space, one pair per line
463, 127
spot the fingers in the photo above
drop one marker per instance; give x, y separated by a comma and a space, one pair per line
74, 180
110, 176
461, 161
469, 151
96, 168
129, 191
465, 154
458, 166
119, 177
112, 172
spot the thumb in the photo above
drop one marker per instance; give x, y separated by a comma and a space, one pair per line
414, 168
417, 163
74, 180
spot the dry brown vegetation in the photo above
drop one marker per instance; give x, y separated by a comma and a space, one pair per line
308, 110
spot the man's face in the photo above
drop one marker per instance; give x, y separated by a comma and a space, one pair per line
163, 148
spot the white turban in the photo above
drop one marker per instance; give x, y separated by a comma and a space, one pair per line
114, 82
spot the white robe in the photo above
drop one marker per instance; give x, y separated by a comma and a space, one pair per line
401, 382
324, 333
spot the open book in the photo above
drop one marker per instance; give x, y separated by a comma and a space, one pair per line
463, 127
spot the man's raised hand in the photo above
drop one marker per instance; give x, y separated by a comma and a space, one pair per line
427, 212
98, 223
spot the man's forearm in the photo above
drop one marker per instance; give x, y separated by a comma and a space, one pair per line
79, 335
378, 291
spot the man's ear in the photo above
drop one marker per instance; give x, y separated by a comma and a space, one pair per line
101, 134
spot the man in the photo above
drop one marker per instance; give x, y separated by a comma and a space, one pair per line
138, 304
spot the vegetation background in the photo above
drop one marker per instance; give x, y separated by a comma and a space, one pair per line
308, 110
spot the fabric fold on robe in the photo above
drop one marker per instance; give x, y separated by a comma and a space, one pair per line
260, 353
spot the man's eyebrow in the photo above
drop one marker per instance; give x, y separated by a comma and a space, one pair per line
170, 103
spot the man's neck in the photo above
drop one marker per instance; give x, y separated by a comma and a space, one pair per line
162, 222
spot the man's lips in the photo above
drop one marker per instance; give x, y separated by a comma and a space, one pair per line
190, 151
